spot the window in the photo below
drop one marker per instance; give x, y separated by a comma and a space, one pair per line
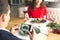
16, 2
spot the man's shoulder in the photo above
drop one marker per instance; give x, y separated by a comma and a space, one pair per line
3, 31
5, 35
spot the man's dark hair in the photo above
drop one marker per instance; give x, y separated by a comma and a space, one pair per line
3, 6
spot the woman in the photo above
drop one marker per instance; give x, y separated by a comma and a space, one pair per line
37, 9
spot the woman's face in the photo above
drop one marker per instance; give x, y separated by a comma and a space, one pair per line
38, 2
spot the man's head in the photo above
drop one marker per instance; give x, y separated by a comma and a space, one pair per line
4, 13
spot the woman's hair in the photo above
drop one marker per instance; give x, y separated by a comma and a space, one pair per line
33, 4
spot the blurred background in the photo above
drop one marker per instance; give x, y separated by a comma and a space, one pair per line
18, 6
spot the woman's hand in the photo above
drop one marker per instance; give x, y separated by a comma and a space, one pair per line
32, 35
26, 16
15, 29
52, 19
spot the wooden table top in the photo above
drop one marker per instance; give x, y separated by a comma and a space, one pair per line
16, 20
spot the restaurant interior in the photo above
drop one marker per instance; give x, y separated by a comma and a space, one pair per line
53, 9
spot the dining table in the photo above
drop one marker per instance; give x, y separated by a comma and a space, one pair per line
39, 36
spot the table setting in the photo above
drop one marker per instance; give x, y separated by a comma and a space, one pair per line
39, 25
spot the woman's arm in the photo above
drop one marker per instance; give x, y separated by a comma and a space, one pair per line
45, 12
26, 16
29, 11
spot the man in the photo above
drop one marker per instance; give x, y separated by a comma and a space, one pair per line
4, 19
